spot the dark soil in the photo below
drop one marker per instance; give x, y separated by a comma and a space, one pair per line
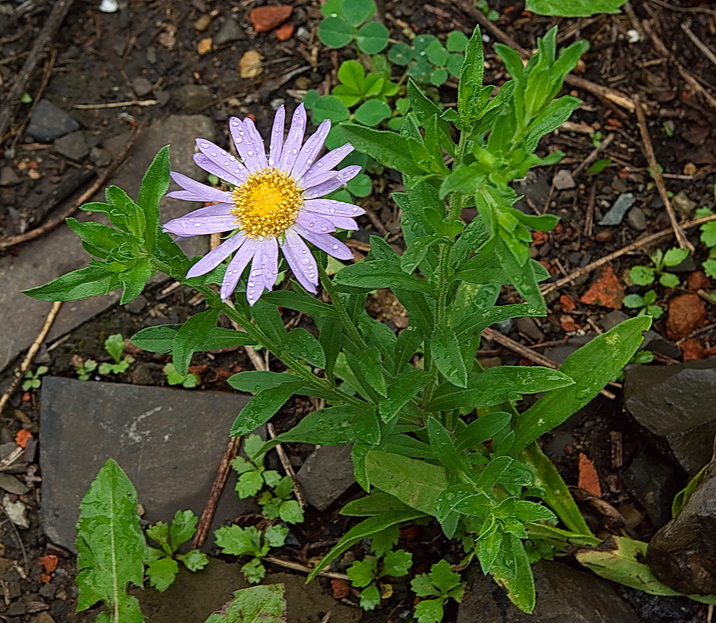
99, 57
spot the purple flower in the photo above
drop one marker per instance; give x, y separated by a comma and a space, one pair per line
276, 202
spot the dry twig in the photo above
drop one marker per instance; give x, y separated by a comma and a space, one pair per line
304, 569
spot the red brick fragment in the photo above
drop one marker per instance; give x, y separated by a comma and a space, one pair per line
266, 18
697, 281
588, 477
686, 313
605, 291
691, 349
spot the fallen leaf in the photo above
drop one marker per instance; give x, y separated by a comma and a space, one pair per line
250, 65
16, 512
49, 562
588, 478
285, 32
265, 18
567, 303
692, 349
22, 437
204, 45
686, 313
340, 589
605, 291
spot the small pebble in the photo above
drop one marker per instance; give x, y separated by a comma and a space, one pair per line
202, 23
563, 180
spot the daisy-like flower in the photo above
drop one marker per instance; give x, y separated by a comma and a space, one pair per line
275, 203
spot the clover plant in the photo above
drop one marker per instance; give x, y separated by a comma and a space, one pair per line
32, 378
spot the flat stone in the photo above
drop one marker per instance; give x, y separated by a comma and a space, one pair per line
8, 177
61, 251
326, 475
682, 553
615, 214
12, 485
563, 180
636, 218
49, 122
676, 402
168, 441
193, 98
564, 595
141, 86
229, 31
72, 146
194, 596
529, 327
99, 157
653, 483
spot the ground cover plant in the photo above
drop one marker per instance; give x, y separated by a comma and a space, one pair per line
438, 436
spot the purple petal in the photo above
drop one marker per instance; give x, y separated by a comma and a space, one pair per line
264, 269
213, 258
210, 166
236, 267
226, 166
323, 168
315, 223
331, 207
218, 209
243, 144
255, 141
301, 260
339, 179
190, 226
196, 191
293, 140
310, 150
276, 142
325, 242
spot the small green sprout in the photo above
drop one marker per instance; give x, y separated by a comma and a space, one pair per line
436, 587
647, 275
367, 573
187, 381
251, 541
645, 304
32, 379
83, 367
162, 565
114, 345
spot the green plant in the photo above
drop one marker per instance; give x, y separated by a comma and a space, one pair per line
174, 377
114, 345
32, 379
647, 275
435, 588
427, 60
708, 237
645, 304
346, 21
83, 367
264, 604
162, 566
237, 541
367, 574
491, 14
573, 8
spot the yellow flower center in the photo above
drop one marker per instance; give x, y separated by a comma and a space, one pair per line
267, 203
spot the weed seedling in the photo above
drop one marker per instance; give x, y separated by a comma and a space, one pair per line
114, 345
645, 304
174, 377
647, 275
83, 367
238, 541
436, 588
32, 379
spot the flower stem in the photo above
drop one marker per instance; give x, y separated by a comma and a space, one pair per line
340, 308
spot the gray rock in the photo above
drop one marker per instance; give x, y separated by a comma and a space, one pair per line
619, 208
72, 146
636, 218
564, 595
676, 402
653, 484
326, 474
8, 177
193, 98
99, 157
194, 596
60, 250
169, 441
683, 204
49, 122
683, 552
229, 31
529, 327
141, 86
535, 185
12, 485
563, 180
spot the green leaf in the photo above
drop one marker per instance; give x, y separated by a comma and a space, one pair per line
114, 345
162, 572
262, 407
134, 279
674, 257
160, 339
473, 69
365, 529
633, 301
237, 541
443, 577
401, 54
290, 512
363, 572
256, 604
155, 184
301, 344
299, 302
330, 107
360, 186
415, 483
84, 283
358, 11
190, 337
335, 32
642, 275
401, 390
194, 560
603, 358
182, 528
389, 148
483, 428
133, 216
620, 559
436, 53
668, 280
573, 8
708, 234
110, 545
397, 564
429, 611
385, 541
372, 112
445, 349
512, 570
373, 274
456, 41
370, 597
329, 426
372, 37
